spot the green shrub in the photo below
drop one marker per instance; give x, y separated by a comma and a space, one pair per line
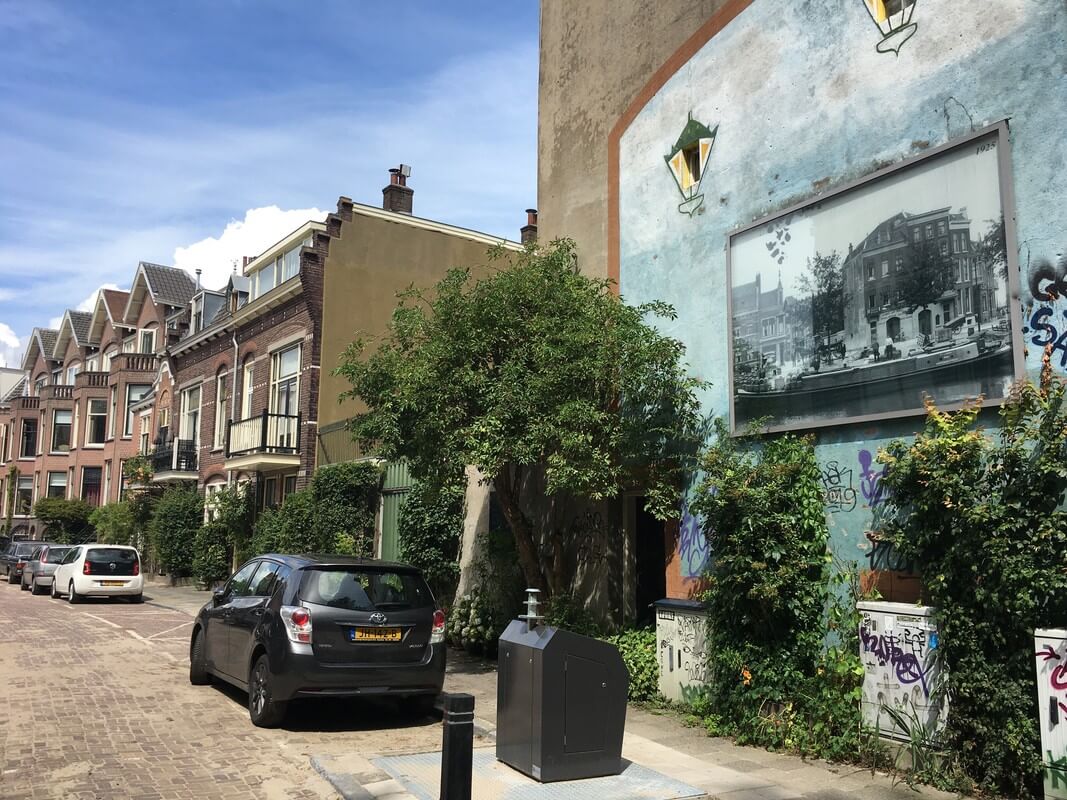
772, 679
638, 650
983, 519
431, 526
211, 561
289, 528
176, 519
567, 612
65, 521
114, 523
479, 617
234, 508
346, 498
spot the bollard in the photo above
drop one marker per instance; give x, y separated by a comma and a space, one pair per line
457, 747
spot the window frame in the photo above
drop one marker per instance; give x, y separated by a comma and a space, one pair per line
58, 426
127, 429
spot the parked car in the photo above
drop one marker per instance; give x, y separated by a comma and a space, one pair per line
39, 570
16, 556
99, 570
289, 627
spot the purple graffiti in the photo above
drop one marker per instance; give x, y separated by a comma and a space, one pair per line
887, 651
692, 545
871, 480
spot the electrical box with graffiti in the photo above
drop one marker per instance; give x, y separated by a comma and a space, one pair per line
901, 682
1050, 654
681, 644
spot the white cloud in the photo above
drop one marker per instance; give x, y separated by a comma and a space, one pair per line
260, 228
11, 347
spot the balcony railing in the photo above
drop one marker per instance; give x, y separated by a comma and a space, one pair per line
27, 403
134, 362
57, 392
265, 433
92, 380
176, 455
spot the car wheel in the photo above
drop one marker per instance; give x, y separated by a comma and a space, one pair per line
137, 598
72, 596
265, 711
198, 674
420, 705
35, 588
52, 590
22, 584
11, 577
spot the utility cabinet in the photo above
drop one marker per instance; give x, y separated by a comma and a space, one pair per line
561, 704
1050, 654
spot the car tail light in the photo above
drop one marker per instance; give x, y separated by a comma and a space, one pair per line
20, 564
437, 634
87, 568
136, 567
297, 621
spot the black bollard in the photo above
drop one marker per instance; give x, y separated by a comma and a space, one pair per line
457, 747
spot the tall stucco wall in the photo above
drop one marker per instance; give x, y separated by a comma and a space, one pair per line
804, 103
595, 57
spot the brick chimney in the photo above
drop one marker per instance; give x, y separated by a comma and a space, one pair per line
528, 232
397, 195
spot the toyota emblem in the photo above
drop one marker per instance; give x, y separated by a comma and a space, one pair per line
112, 566
378, 618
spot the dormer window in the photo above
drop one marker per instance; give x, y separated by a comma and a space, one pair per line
198, 314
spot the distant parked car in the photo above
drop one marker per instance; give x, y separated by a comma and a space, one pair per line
16, 556
39, 570
99, 570
288, 627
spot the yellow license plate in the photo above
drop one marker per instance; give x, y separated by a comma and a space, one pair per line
112, 583
376, 634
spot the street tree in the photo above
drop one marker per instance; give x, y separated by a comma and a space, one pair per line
65, 521
534, 372
929, 275
992, 248
825, 283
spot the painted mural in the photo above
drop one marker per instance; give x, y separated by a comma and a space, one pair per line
688, 161
807, 97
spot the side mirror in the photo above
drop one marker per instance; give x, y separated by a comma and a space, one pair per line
217, 594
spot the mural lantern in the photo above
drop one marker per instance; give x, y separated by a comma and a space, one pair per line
687, 162
893, 18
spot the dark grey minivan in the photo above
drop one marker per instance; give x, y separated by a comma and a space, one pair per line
288, 627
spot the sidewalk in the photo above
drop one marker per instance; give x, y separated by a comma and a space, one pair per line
660, 742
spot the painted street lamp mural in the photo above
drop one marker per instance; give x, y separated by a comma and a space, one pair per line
893, 18
688, 161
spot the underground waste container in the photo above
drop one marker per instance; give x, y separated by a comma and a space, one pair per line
561, 703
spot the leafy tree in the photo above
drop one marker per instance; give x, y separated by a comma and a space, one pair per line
211, 561
983, 519
233, 507
346, 506
175, 521
929, 275
533, 373
114, 523
65, 521
825, 282
290, 528
993, 248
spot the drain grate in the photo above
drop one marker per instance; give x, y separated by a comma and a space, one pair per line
420, 773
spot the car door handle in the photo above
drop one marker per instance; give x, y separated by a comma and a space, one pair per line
257, 612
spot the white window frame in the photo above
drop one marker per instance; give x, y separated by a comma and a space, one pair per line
55, 425
222, 406
127, 420
277, 380
48, 483
89, 416
141, 334
184, 414
249, 386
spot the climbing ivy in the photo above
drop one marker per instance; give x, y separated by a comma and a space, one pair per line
982, 517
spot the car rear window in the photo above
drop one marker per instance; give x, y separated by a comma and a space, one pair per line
55, 554
106, 555
26, 549
361, 589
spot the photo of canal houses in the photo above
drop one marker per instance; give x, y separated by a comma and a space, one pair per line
863, 303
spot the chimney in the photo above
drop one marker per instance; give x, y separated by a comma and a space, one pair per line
397, 195
528, 232
198, 271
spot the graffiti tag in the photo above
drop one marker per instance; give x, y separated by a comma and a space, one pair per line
884, 556
886, 648
838, 493
693, 548
871, 480
1045, 332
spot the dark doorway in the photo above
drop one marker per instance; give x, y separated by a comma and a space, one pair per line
650, 555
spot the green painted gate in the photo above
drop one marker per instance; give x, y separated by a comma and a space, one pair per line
395, 487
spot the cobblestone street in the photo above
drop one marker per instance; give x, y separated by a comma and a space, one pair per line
98, 705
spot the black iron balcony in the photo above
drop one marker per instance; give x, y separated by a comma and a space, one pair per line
174, 456
266, 433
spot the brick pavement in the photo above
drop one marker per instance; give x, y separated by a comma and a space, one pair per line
99, 706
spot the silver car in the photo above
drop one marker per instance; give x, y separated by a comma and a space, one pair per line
38, 572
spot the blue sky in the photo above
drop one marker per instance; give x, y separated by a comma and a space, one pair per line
193, 131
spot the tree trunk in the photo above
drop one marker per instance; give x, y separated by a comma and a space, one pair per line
523, 533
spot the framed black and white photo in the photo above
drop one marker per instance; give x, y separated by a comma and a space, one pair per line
897, 287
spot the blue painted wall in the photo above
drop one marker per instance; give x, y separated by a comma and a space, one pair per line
804, 102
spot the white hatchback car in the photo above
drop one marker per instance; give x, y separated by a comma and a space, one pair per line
99, 570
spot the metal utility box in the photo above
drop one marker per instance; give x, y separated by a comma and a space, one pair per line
561, 704
1050, 659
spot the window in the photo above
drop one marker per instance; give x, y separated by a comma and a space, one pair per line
128, 345
899, 264
262, 585
123, 481
210, 509
72, 371
249, 385
198, 314
885, 297
916, 234
870, 270
189, 423
3, 442
61, 421
870, 302
114, 412
264, 280
105, 362
222, 405
29, 439
929, 230
941, 228
268, 497
285, 381
291, 265
57, 484
90, 365
135, 392
96, 424
107, 480
24, 496
885, 267
239, 583
91, 482
148, 341
289, 486
944, 247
